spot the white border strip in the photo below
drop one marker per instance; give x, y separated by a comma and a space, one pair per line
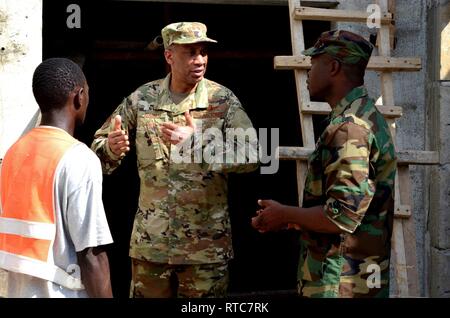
36, 230
49, 272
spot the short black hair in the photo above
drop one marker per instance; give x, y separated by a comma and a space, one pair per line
355, 72
53, 80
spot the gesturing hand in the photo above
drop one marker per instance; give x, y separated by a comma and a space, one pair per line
176, 134
271, 218
118, 138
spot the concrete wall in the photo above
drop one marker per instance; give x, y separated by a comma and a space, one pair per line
20, 53
438, 95
409, 92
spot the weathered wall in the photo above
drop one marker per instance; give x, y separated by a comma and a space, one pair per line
20, 53
438, 95
409, 89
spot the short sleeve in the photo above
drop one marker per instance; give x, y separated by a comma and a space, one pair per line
85, 215
349, 189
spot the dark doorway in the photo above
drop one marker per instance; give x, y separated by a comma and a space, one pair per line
111, 47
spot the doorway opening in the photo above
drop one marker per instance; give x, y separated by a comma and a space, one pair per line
111, 47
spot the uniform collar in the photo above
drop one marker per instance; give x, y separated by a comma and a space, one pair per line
195, 100
356, 93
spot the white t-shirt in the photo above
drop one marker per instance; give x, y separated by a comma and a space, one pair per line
80, 222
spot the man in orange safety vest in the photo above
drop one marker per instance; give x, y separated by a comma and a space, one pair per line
52, 220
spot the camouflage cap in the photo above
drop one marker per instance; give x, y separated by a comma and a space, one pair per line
345, 46
185, 33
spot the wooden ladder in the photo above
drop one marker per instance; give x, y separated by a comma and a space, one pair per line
403, 260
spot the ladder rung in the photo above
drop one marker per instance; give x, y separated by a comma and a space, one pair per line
376, 63
390, 111
417, 157
306, 13
405, 157
403, 212
300, 153
293, 153
319, 3
315, 108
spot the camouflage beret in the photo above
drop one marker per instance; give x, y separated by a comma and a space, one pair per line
185, 33
345, 46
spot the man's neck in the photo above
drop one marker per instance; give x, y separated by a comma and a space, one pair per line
179, 87
59, 120
339, 94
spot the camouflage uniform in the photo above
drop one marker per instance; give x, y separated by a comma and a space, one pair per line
351, 173
182, 215
152, 280
185, 33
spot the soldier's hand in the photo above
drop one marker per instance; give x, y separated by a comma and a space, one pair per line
256, 221
118, 138
176, 134
270, 218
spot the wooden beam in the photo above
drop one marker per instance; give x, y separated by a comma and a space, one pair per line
390, 111
417, 157
315, 108
403, 211
392, 28
405, 157
298, 45
316, 14
394, 64
319, 3
308, 3
293, 153
398, 259
409, 234
376, 63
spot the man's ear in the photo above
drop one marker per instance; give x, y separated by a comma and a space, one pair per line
335, 67
78, 98
168, 54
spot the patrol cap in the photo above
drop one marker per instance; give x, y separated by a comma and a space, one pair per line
345, 46
185, 33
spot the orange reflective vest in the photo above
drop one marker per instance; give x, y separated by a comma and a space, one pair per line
27, 216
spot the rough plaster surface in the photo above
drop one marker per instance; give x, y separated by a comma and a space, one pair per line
440, 283
439, 132
20, 53
439, 219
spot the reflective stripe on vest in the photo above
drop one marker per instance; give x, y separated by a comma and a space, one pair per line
27, 220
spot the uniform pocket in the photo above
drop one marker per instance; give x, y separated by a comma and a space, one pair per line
148, 142
206, 123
